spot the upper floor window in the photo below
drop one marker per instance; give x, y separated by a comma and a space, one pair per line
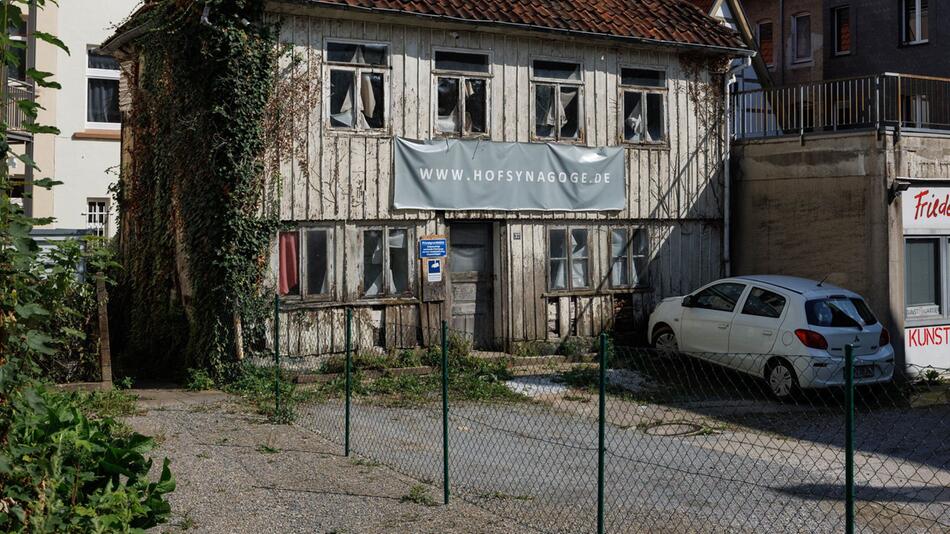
461, 81
16, 29
102, 91
387, 262
801, 35
765, 39
568, 258
841, 19
358, 82
305, 262
558, 100
914, 21
643, 92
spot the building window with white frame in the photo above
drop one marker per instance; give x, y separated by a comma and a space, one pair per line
387, 262
841, 24
305, 262
765, 38
801, 38
97, 216
914, 22
629, 254
923, 279
462, 89
16, 30
358, 85
558, 100
643, 92
102, 91
568, 259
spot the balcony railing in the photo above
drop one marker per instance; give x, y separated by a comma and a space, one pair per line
14, 116
879, 102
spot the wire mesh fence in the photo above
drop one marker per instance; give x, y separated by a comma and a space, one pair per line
546, 436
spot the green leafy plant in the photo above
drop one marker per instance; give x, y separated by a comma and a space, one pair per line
199, 380
418, 494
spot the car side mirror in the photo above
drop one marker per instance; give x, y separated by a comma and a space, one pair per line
687, 301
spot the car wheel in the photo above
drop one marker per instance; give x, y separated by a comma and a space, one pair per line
781, 379
664, 341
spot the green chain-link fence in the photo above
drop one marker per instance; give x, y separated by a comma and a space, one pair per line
583, 436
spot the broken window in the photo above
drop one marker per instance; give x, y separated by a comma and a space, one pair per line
304, 258
629, 252
568, 258
558, 96
462, 93
357, 85
386, 262
644, 100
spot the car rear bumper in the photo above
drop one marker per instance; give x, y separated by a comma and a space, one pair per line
829, 371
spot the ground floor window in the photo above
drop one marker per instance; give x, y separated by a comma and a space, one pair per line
304, 256
97, 216
629, 252
568, 258
926, 276
387, 262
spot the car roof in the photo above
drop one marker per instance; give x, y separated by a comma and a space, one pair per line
803, 286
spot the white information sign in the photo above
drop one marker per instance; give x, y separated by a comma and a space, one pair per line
928, 346
926, 208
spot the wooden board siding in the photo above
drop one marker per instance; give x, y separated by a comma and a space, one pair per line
345, 180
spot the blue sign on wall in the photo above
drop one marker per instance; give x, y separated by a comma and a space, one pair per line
432, 248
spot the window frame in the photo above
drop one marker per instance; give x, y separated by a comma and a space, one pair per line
358, 69
942, 279
770, 62
580, 84
302, 294
904, 41
739, 298
462, 76
745, 302
25, 39
835, 35
796, 60
100, 74
103, 230
634, 280
569, 259
644, 90
387, 292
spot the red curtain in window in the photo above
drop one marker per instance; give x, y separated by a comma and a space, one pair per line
289, 279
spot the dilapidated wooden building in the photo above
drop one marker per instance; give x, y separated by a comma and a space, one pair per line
521, 97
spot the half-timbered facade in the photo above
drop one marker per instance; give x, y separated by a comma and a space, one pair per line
511, 276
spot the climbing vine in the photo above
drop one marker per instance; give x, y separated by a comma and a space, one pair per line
195, 226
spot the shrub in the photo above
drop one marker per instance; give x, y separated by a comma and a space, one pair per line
199, 380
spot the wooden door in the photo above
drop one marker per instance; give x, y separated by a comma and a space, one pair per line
470, 269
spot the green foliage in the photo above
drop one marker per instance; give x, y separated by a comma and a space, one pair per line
199, 380
193, 238
256, 384
418, 494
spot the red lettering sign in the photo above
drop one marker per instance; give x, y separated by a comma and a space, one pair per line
931, 208
928, 336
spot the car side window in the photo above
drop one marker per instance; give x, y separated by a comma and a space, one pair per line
720, 297
762, 303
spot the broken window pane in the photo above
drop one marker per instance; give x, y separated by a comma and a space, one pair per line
632, 116
448, 119
476, 97
557, 254
288, 260
373, 262
398, 243
557, 70
342, 110
579, 255
461, 61
640, 251
544, 111
570, 112
360, 54
655, 125
643, 77
619, 270
371, 99
317, 260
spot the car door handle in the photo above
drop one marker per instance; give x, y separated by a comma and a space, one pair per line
723, 326
767, 332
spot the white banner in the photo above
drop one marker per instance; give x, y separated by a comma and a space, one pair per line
928, 346
926, 208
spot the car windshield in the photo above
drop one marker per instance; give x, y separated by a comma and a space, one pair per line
839, 311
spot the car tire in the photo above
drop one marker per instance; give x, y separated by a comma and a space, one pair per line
665, 343
781, 379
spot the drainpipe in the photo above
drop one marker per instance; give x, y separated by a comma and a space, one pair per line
730, 79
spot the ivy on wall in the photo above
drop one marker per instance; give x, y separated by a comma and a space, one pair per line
194, 225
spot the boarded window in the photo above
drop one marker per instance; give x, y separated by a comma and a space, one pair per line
558, 109
644, 100
462, 100
357, 85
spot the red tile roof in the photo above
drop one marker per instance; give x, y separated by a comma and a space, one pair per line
705, 5
666, 21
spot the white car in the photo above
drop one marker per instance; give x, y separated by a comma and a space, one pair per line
789, 331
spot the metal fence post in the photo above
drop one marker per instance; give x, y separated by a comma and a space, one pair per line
445, 413
849, 439
276, 355
348, 372
601, 424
